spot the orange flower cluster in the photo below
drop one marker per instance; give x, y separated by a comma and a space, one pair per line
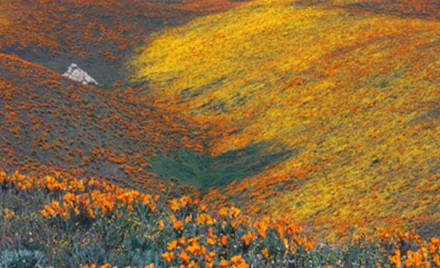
396, 236
238, 262
7, 213
104, 201
419, 258
176, 204
233, 212
187, 249
97, 266
191, 248
194, 251
80, 195
204, 250
428, 252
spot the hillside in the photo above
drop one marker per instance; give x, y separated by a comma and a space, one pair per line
51, 125
3, 20
98, 35
350, 88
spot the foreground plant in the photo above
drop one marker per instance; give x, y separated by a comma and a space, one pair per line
94, 223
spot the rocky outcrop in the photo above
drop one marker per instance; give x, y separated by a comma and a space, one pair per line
77, 74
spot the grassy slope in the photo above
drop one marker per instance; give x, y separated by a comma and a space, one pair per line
353, 86
97, 35
49, 123
3, 19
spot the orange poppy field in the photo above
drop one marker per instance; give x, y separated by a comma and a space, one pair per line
220, 133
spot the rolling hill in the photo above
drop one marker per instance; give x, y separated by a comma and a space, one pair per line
221, 133
97, 35
351, 87
53, 125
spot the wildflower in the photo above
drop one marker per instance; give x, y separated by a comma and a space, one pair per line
246, 239
174, 204
205, 219
8, 213
234, 212
426, 264
194, 248
424, 252
436, 259
308, 244
76, 211
69, 198
160, 225
152, 206
181, 241
183, 256
396, 258
280, 231
193, 264
261, 228
149, 266
146, 199
224, 264
210, 241
292, 228
56, 206
65, 213
223, 212
91, 212
168, 256
203, 207
106, 266
44, 213
413, 258
265, 253
224, 240
48, 211
185, 201
172, 245
239, 262
356, 238
211, 256
178, 225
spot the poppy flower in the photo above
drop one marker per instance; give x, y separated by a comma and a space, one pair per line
168, 256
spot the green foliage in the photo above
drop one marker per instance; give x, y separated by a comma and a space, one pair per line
21, 258
131, 237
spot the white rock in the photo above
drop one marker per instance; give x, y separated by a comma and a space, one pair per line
77, 74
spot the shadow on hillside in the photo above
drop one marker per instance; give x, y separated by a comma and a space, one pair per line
204, 171
428, 229
98, 36
423, 9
